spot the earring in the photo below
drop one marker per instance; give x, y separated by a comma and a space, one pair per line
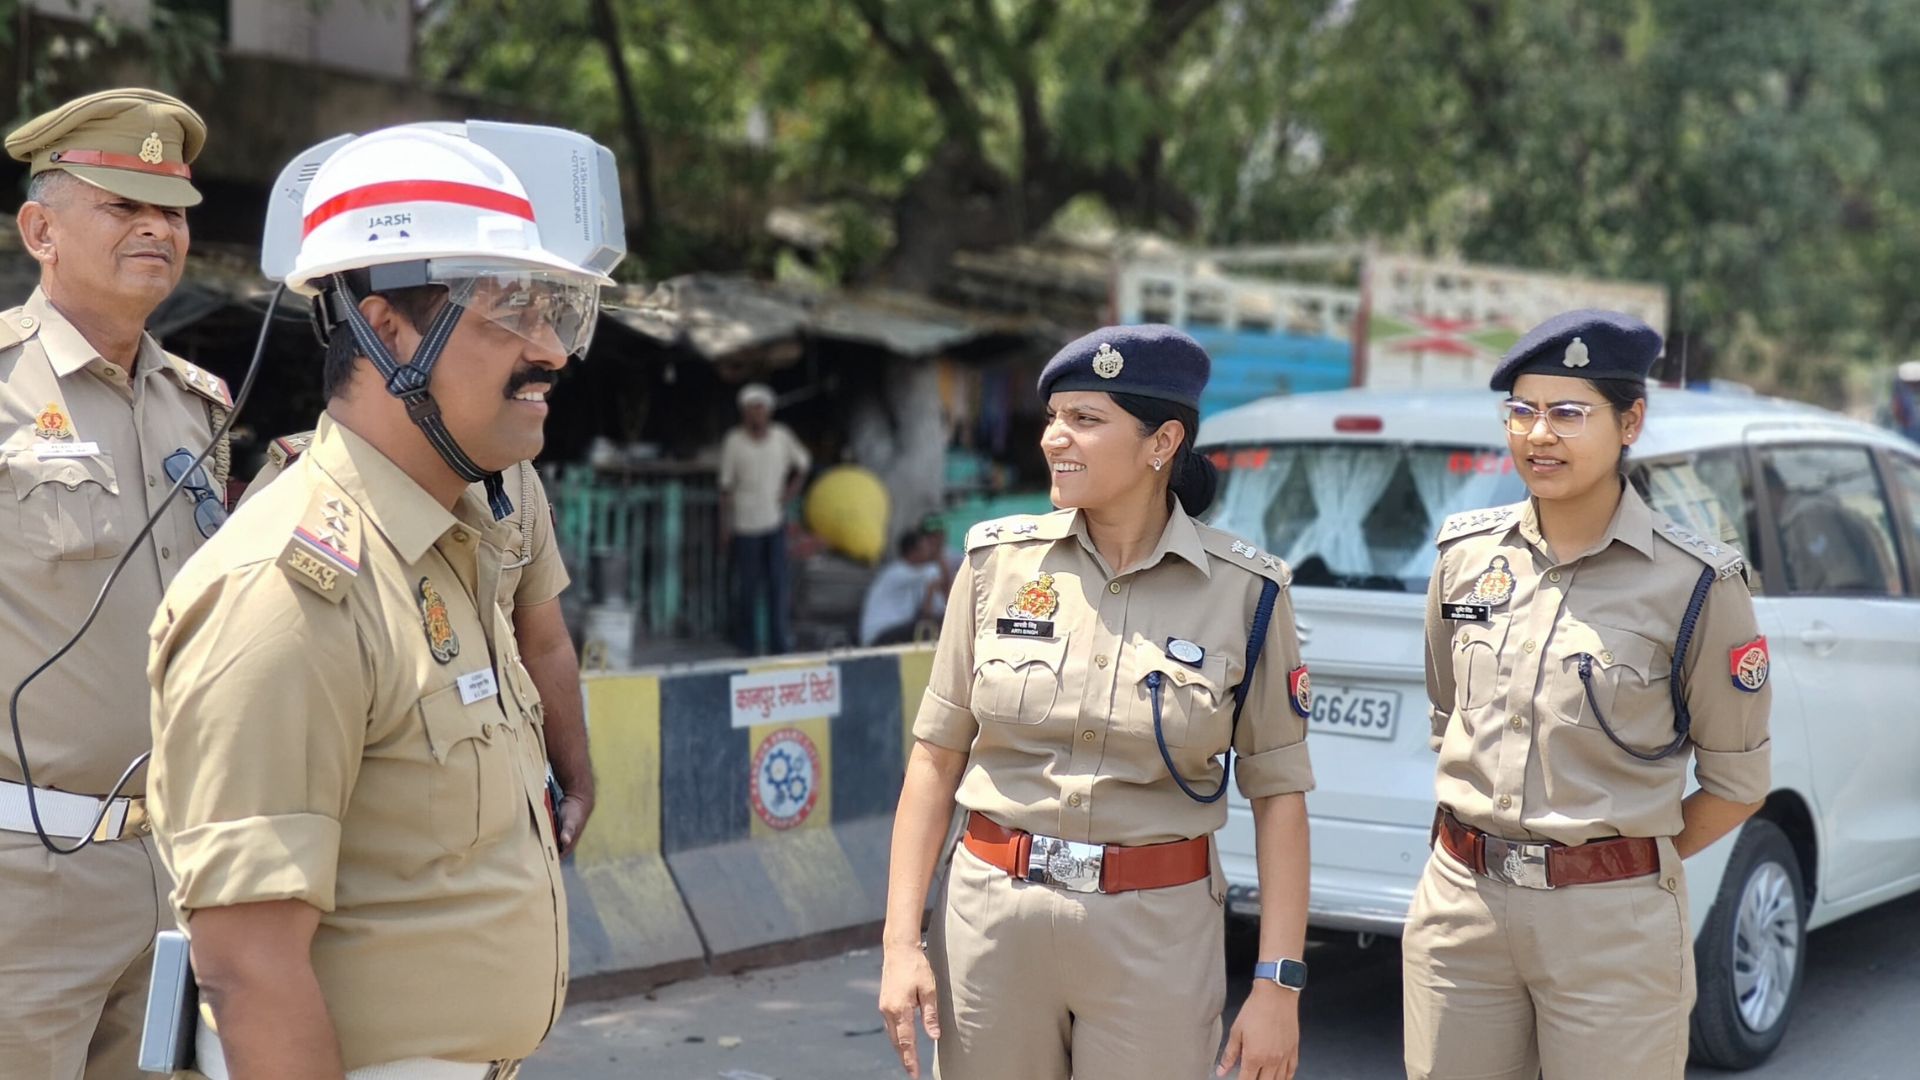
1156, 464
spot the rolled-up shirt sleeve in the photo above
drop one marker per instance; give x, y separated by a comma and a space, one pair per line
946, 710
259, 712
1272, 738
1732, 747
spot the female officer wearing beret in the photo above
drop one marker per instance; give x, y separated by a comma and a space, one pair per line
1086, 681
1578, 646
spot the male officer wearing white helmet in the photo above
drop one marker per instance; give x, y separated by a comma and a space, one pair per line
348, 773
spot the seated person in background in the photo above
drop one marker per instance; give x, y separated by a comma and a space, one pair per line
909, 590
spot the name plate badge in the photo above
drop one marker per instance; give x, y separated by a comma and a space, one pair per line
44, 450
1037, 628
477, 686
1467, 612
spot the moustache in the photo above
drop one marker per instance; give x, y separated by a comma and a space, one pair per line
523, 379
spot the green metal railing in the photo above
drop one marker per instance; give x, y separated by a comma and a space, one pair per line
651, 538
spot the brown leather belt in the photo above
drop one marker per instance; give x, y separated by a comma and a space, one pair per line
1541, 865
1107, 868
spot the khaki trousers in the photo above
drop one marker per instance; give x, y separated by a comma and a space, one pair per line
76, 951
1041, 984
1587, 981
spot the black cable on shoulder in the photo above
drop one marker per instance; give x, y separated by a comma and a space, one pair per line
99, 601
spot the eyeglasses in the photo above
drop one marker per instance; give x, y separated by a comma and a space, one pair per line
208, 511
1566, 419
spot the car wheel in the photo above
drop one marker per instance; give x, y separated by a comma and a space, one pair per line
1751, 953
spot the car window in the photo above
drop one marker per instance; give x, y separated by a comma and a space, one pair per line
1709, 493
1836, 533
1906, 477
1356, 515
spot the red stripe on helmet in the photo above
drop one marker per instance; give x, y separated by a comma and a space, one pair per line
393, 191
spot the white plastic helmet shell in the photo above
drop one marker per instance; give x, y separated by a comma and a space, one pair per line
413, 192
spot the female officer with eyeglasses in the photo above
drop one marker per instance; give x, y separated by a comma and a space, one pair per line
1580, 649
1093, 665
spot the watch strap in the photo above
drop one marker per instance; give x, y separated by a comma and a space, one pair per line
1291, 974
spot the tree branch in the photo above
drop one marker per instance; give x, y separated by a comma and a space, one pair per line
1166, 22
632, 118
1016, 63
919, 56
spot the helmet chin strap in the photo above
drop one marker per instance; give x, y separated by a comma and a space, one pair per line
408, 382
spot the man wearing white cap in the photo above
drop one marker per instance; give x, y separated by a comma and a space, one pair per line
761, 467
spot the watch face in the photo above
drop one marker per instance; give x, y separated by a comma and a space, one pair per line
1293, 973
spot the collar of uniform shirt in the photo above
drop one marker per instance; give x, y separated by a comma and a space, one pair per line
398, 507
1632, 525
1178, 538
67, 351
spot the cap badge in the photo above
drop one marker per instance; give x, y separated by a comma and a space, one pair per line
151, 151
433, 615
1035, 600
1577, 354
1495, 585
52, 423
1108, 362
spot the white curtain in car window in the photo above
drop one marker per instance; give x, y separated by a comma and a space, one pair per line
1247, 497
1440, 487
1346, 481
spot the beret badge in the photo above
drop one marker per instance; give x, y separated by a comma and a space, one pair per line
1108, 362
1577, 355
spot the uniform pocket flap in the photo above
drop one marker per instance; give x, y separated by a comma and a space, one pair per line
1486, 635
1016, 652
30, 471
449, 722
1210, 676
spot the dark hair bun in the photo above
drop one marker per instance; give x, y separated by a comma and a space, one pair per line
1195, 482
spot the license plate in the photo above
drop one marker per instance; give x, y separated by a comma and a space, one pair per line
1355, 710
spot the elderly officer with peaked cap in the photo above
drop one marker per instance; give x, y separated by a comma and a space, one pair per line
96, 421
1094, 665
1575, 652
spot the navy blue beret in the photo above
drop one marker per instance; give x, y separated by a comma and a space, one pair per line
1586, 344
1150, 360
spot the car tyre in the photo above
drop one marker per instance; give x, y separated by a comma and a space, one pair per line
1752, 952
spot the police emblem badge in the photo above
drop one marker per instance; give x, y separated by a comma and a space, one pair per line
1495, 584
152, 150
1300, 691
1035, 600
1577, 356
1107, 363
439, 626
52, 423
1749, 664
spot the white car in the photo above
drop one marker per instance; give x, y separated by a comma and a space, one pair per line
1350, 488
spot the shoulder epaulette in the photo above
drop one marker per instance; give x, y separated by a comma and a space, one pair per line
1478, 521
1725, 561
16, 326
287, 449
324, 551
1020, 527
202, 382
1229, 548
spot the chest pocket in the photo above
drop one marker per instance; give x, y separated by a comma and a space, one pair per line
1476, 660
1017, 680
66, 506
1629, 674
473, 796
1196, 705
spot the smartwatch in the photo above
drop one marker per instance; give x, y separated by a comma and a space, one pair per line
1291, 974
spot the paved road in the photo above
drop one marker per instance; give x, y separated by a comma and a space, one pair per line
815, 1021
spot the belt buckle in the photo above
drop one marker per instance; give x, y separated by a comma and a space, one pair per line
1065, 864
1517, 863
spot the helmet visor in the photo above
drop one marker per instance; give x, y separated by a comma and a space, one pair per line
548, 309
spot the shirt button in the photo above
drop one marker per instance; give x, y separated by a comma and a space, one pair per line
486, 731
1073, 800
1670, 884
1463, 637
1553, 575
1606, 657
1515, 721
1100, 661
1113, 587
166, 553
1528, 646
112, 371
1506, 801
459, 536
1086, 736
151, 482
26, 322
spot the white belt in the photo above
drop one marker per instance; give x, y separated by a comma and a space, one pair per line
210, 1061
67, 815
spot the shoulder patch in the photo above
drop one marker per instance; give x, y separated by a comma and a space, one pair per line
1470, 522
201, 381
323, 553
1229, 548
1726, 561
1020, 527
287, 449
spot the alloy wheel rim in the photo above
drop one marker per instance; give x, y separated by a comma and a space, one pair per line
1766, 947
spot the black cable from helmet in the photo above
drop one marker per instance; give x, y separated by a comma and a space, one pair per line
408, 382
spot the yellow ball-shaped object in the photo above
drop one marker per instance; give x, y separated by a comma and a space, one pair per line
847, 507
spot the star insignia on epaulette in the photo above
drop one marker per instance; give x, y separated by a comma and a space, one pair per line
992, 530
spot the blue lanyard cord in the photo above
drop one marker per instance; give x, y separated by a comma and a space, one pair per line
1682, 717
1256, 641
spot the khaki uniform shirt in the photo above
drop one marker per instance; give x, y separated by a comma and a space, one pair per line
341, 717
1522, 754
753, 473
1055, 714
533, 572
81, 450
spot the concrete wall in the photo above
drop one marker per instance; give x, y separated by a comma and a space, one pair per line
370, 36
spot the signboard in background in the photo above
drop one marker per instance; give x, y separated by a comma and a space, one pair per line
784, 696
